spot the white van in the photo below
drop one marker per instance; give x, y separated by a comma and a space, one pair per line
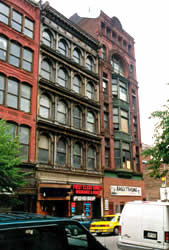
144, 225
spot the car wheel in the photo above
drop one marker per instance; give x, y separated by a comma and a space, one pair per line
116, 231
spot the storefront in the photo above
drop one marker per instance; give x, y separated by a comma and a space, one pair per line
86, 200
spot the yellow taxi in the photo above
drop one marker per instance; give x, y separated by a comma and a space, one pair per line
108, 224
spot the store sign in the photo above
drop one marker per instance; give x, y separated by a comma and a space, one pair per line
84, 198
125, 191
87, 189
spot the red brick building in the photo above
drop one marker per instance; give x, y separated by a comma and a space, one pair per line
19, 56
120, 118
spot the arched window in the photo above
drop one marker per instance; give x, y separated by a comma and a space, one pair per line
46, 69
91, 158
76, 55
117, 65
90, 90
24, 137
90, 122
3, 48
61, 112
103, 51
89, 63
77, 117
62, 77
44, 106
43, 152
62, 47
47, 38
77, 84
77, 155
61, 152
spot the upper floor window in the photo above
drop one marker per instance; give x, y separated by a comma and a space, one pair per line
90, 122
103, 52
25, 97
89, 63
76, 55
120, 89
47, 40
62, 47
15, 54
117, 65
106, 116
77, 155
61, 152
3, 48
62, 77
90, 90
46, 69
2, 89
27, 59
77, 84
16, 20
4, 13
44, 106
43, 151
121, 120
62, 112
91, 158
77, 117
12, 93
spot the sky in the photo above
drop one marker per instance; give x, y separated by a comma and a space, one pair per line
147, 21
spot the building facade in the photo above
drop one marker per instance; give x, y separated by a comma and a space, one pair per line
19, 56
120, 118
68, 152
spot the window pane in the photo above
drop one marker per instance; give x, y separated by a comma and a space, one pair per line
76, 56
12, 129
62, 48
25, 105
29, 28
61, 153
24, 135
27, 60
43, 155
90, 91
24, 152
46, 70
15, 52
25, 91
44, 106
4, 13
76, 84
44, 112
12, 86
3, 48
16, 21
62, 77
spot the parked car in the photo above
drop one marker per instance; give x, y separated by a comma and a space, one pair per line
23, 231
108, 224
144, 225
85, 221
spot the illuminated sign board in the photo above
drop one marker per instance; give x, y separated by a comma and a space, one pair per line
87, 189
125, 190
84, 198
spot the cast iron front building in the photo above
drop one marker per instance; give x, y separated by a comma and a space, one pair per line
68, 172
120, 118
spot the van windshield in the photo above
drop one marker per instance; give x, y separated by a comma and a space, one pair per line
59, 237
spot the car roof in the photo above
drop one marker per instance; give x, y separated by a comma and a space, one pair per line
112, 215
13, 220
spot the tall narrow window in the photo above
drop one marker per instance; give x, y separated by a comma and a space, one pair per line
28, 28
106, 116
16, 21
24, 135
117, 154
62, 47
61, 152
77, 155
47, 38
27, 59
90, 90
3, 48
4, 13
90, 122
61, 112
12, 129
2, 89
77, 117
76, 55
76, 84
91, 158
123, 91
62, 77
117, 65
114, 87
103, 52
124, 121
44, 106
107, 152
46, 69
12, 93
89, 63
15, 54
43, 153
25, 98
116, 118
126, 155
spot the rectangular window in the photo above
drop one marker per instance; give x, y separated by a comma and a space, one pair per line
2, 89
116, 118
12, 94
124, 121
114, 87
107, 159
3, 48
27, 60
15, 53
4, 13
28, 28
25, 99
126, 157
24, 142
117, 159
16, 21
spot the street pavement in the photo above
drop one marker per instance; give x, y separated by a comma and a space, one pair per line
108, 240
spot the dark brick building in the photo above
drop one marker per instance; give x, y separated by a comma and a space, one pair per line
120, 118
19, 56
